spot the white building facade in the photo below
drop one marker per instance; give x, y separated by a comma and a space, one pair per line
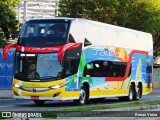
29, 9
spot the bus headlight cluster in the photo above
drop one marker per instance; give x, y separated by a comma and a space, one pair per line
16, 85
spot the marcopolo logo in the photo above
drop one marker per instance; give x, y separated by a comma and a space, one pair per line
6, 114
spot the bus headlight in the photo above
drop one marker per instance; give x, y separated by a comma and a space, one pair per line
17, 86
58, 86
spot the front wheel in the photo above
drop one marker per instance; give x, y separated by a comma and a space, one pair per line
84, 96
39, 102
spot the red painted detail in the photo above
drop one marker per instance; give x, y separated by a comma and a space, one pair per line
60, 49
128, 66
35, 97
65, 47
5, 50
37, 49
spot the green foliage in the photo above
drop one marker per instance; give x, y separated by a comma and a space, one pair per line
11, 3
8, 23
143, 15
139, 104
3, 41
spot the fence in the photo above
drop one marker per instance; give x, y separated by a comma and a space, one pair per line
6, 70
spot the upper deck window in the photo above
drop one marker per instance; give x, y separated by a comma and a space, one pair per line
44, 33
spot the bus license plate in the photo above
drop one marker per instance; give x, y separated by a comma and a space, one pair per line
35, 97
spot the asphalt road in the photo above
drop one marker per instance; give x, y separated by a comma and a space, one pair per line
28, 105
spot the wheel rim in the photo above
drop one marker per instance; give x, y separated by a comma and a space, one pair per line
82, 96
138, 93
131, 94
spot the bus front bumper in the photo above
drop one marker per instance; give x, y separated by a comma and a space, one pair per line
45, 98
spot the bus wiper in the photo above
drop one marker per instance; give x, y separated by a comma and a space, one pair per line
46, 77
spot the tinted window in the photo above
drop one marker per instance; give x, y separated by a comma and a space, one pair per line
44, 33
71, 66
106, 69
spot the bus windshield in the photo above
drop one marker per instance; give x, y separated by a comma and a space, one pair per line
40, 67
44, 33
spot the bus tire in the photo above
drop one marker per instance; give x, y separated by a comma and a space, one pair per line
39, 102
84, 96
138, 92
130, 97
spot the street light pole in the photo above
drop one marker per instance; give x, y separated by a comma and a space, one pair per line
56, 12
25, 10
19, 12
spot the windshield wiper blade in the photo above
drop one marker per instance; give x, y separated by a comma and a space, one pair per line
47, 77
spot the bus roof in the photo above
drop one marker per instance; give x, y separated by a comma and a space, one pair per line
89, 21
114, 35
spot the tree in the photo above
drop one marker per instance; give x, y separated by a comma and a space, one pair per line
143, 15
3, 42
8, 22
11, 3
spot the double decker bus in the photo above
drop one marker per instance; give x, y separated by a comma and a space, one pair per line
79, 59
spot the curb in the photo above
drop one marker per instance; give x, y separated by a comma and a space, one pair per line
6, 97
96, 112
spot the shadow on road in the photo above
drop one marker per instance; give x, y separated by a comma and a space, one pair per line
71, 103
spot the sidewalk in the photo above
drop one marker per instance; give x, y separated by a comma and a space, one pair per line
7, 94
156, 90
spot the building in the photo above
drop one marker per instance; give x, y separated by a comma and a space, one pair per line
29, 9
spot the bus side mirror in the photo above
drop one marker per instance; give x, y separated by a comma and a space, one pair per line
87, 42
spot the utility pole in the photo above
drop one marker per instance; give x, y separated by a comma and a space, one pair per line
25, 11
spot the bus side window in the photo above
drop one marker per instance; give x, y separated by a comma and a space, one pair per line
71, 66
130, 70
92, 69
106, 69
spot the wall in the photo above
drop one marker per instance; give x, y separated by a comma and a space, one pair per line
156, 78
6, 70
37, 9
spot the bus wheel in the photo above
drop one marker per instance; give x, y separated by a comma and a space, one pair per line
131, 93
138, 93
39, 102
83, 99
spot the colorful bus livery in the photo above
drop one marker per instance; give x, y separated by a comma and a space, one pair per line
79, 59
